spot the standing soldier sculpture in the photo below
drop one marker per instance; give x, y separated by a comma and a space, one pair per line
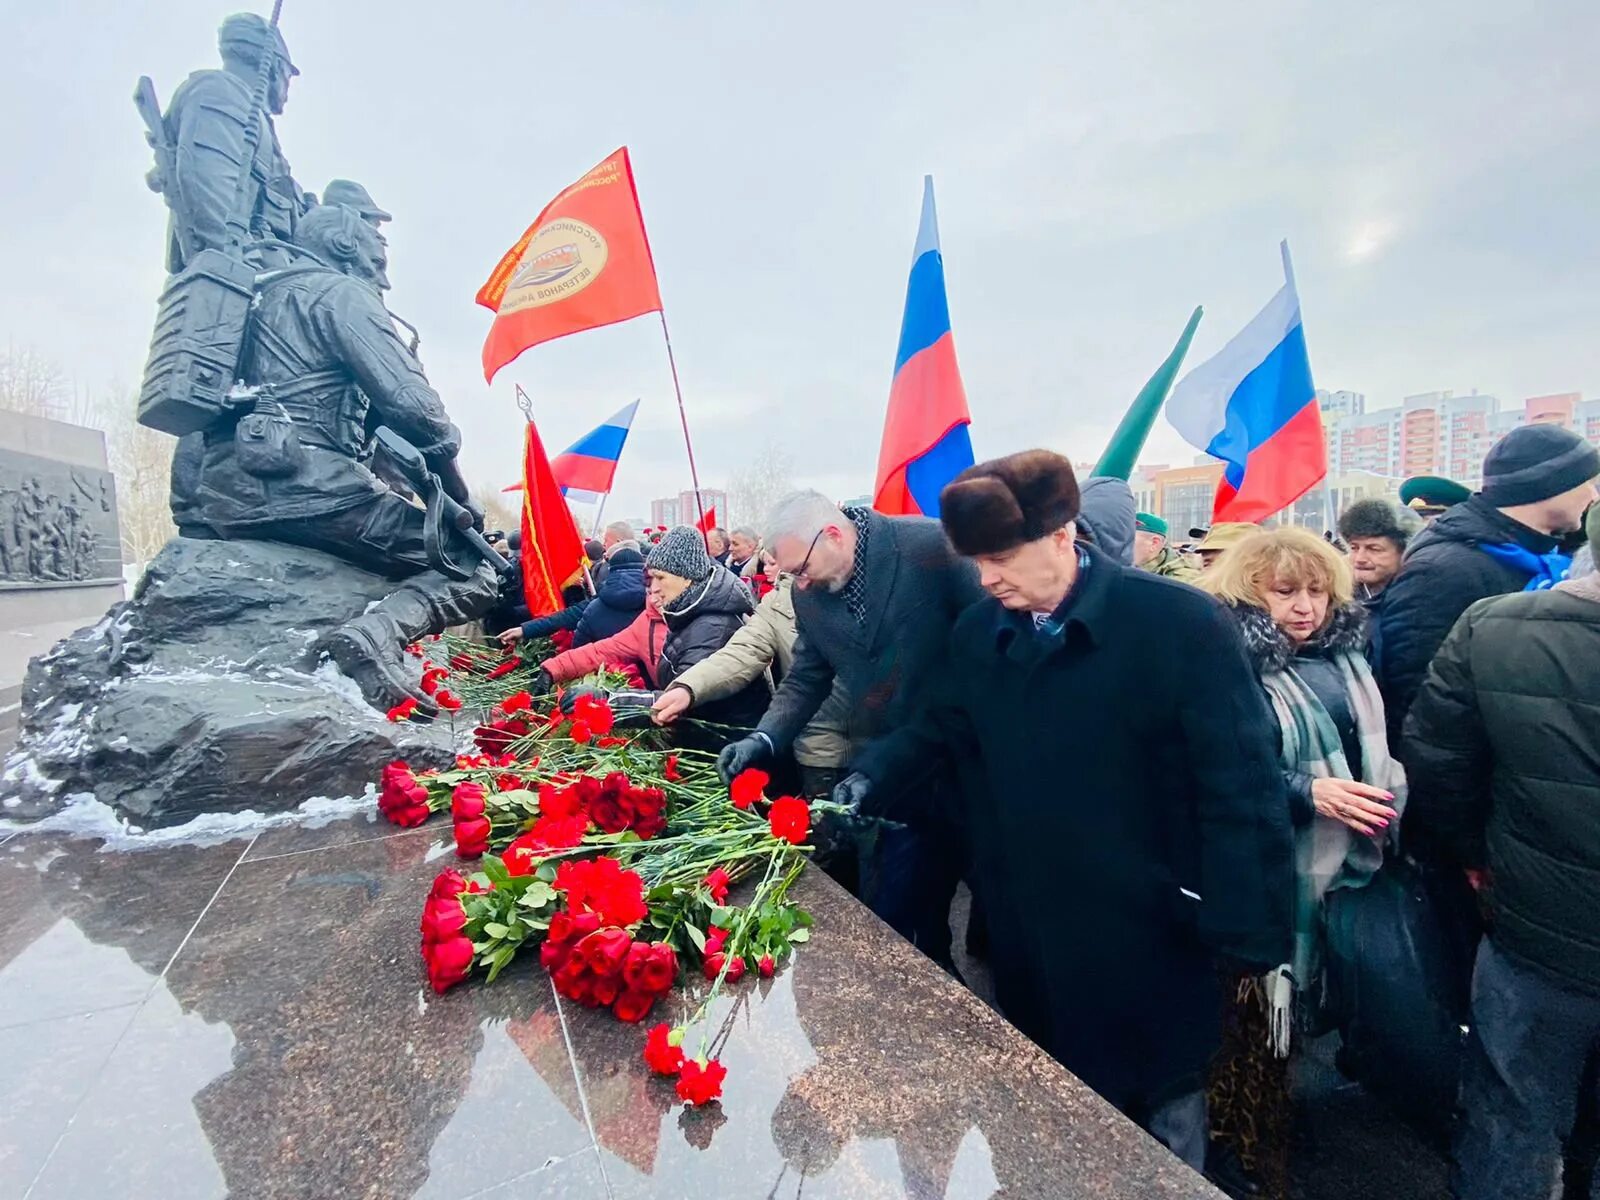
278, 365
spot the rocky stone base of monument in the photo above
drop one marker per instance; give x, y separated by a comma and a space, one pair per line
204, 693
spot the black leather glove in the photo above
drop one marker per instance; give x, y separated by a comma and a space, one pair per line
739, 756
851, 791
542, 684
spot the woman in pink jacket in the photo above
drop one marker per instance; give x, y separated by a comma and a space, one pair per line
640, 644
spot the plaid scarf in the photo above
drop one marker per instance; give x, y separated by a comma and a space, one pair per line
1328, 854
855, 588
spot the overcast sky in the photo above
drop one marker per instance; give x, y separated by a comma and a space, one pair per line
1101, 167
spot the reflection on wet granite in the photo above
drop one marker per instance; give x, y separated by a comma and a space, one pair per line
863, 1071
291, 1049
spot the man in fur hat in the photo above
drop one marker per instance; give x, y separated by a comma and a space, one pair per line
1376, 532
1127, 822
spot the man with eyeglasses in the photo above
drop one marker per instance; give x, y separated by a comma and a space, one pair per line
875, 598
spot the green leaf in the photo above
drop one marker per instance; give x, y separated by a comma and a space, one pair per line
495, 870
546, 873
698, 938
537, 895
800, 935
496, 930
722, 917
499, 959
517, 796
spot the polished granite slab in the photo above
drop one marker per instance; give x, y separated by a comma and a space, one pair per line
250, 1019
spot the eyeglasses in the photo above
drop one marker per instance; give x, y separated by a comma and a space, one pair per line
802, 572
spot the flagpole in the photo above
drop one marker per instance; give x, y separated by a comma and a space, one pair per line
600, 511
1329, 505
683, 417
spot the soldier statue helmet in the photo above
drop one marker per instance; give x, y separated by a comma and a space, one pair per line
242, 39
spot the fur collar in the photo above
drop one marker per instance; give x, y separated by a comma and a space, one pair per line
1271, 650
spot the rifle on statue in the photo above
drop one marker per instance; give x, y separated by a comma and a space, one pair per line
204, 311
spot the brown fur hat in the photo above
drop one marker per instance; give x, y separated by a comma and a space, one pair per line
998, 505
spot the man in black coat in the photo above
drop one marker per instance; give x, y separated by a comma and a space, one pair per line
1128, 821
1502, 744
874, 600
1537, 482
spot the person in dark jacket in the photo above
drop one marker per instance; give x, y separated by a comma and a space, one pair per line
874, 600
1376, 532
1127, 820
619, 600
1537, 482
703, 604
1503, 743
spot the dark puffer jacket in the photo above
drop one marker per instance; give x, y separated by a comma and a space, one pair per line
1443, 574
618, 601
1317, 666
699, 623
1503, 747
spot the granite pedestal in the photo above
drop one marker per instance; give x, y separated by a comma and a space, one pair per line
250, 1019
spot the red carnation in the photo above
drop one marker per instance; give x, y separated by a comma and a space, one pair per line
671, 770
661, 1054
606, 809
447, 700
610, 742
557, 802
650, 967
403, 710
516, 702
448, 962
548, 834
790, 819
504, 669
594, 713
561, 639
461, 662
748, 786
580, 732
717, 884
766, 967
701, 1082
414, 650
603, 887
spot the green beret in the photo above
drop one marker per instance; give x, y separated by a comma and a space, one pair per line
1149, 523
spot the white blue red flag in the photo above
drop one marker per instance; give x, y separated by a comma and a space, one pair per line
586, 468
925, 439
1254, 406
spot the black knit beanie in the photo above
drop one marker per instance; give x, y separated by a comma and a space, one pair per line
1534, 463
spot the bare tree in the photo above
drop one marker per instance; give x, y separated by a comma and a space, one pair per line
33, 384
765, 479
501, 510
141, 460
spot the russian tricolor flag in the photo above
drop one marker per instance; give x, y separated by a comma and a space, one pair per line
586, 468
925, 438
1254, 407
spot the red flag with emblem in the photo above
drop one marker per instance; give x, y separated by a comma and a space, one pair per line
552, 550
585, 262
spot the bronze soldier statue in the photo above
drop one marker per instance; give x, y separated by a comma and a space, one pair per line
325, 369
208, 162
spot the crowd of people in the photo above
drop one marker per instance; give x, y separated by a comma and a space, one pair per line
1211, 804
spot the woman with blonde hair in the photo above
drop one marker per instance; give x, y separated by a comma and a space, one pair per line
1293, 597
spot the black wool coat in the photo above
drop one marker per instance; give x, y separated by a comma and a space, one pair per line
916, 586
1127, 820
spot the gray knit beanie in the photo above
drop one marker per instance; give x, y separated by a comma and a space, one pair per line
682, 552
1534, 463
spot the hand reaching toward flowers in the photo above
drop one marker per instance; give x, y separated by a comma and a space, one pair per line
737, 757
852, 791
1358, 805
511, 636
671, 705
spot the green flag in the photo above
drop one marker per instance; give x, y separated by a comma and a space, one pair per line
1122, 452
